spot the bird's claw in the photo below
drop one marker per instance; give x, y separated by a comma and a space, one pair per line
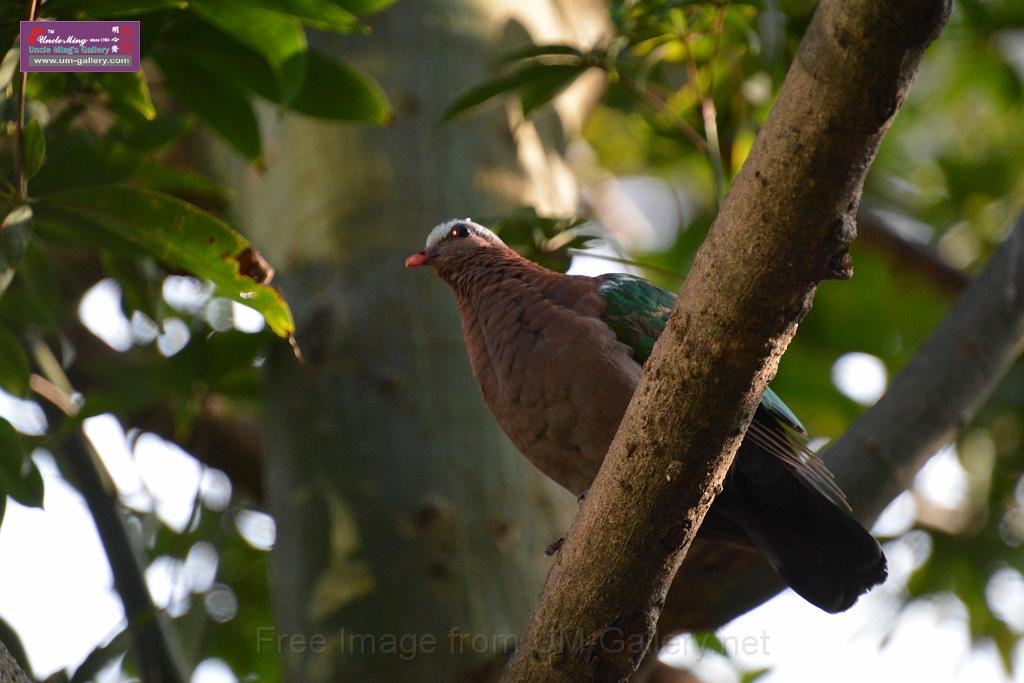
555, 547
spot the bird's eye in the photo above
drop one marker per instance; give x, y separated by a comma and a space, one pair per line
460, 230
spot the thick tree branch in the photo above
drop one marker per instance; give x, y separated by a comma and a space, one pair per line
939, 391
785, 226
10, 670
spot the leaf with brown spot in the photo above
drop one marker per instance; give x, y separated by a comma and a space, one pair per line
252, 264
181, 236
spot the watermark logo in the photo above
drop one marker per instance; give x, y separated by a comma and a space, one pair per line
80, 46
459, 641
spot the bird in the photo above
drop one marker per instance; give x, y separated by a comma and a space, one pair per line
558, 357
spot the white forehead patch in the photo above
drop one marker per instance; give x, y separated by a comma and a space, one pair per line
442, 230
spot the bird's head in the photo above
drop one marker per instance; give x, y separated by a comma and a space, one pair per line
455, 241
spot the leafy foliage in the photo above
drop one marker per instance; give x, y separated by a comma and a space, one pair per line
547, 241
109, 201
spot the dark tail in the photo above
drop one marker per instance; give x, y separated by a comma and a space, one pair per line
819, 549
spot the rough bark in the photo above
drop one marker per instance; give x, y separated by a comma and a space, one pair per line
403, 513
938, 392
785, 226
10, 670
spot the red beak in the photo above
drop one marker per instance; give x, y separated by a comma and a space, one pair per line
418, 259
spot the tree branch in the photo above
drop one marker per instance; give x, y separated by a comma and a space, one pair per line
158, 655
785, 226
957, 367
874, 231
939, 391
19, 123
10, 670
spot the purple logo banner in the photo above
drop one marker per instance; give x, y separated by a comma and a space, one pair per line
80, 46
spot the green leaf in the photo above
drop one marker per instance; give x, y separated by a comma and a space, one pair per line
108, 9
361, 7
10, 14
217, 53
754, 675
553, 79
14, 368
539, 51
35, 148
47, 86
19, 476
277, 37
14, 235
330, 89
179, 181
477, 96
128, 90
9, 67
71, 151
12, 452
149, 135
324, 14
218, 102
28, 489
709, 641
181, 236
541, 75
34, 296
334, 90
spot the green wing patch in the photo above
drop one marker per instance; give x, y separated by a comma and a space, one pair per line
635, 310
771, 402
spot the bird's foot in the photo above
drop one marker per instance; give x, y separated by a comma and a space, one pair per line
582, 497
555, 547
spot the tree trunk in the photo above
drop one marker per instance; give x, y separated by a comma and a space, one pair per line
410, 533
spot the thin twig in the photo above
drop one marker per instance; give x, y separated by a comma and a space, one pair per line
708, 113
657, 103
626, 262
52, 393
19, 124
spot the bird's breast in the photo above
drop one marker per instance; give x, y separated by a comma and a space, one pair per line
556, 379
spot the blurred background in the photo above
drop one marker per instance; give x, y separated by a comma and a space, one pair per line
365, 495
